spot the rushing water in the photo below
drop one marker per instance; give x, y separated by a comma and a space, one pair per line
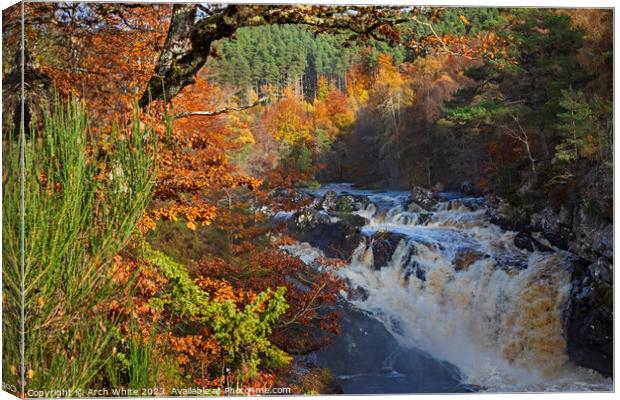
457, 304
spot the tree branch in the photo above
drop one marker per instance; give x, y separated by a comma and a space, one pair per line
219, 111
189, 38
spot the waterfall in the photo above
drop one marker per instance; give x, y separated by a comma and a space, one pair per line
457, 287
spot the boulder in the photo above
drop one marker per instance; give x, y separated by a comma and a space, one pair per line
307, 219
550, 225
329, 201
336, 239
383, 246
525, 241
424, 198
501, 213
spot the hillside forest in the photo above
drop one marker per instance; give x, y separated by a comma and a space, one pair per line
159, 138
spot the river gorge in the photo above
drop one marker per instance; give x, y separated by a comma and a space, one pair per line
439, 299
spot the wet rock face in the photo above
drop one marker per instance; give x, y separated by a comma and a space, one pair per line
553, 227
424, 198
589, 322
502, 214
526, 241
336, 239
593, 236
383, 246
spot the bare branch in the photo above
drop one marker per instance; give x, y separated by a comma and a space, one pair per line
219, 111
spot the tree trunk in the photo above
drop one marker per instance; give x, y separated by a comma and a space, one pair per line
37, 95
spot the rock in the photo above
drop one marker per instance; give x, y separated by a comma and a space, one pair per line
465, 257
383, 246
501, 213
593, 236
358, 294
548, 222
525, 241
306, 219
602, 271
294, 196
438, 187
589, 322
329, 201
424, 218
336, 239
423, 197
416, 269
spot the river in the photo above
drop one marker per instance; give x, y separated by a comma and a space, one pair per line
456, 307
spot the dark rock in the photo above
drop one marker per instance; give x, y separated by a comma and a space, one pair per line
589, 317
423, 197
294, 196
549, 223
329, 201
602, 271
465, 257
358, 294
307, 219
526, 241
424, 218
593, 235
415, 269
383, 246
336, 239
501, 213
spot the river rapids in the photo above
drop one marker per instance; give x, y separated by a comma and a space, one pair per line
455, 306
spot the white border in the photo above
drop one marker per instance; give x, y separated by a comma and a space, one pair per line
480, 3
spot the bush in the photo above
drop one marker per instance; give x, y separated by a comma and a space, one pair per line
83, 198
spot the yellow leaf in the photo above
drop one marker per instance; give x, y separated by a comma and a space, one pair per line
191, 225
464, 20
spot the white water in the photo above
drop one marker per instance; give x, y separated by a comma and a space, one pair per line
498, 319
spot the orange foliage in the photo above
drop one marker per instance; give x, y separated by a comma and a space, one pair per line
194, 165
333, 114
102, 53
